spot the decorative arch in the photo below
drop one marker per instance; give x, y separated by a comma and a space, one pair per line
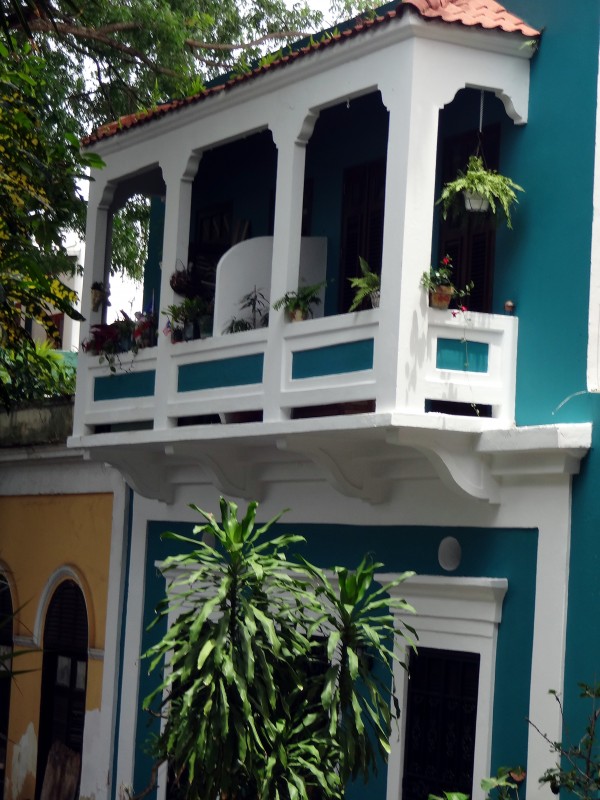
64, 573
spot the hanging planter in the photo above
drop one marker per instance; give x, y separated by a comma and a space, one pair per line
482, 189
100, 296
476, 202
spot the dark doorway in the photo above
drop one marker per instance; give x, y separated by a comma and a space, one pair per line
440, 723
470, 238
6, 649
64, 675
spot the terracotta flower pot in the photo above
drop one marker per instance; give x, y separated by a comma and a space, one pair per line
298, 315
441, 297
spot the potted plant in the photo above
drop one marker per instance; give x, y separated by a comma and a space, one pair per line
145, 330
280, 674
438, 283
187, 317
100, 295
481, 189
185, 281
109, 340
258, 305
368, 284
298, 304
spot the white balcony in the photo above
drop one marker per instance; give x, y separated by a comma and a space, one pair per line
325, 366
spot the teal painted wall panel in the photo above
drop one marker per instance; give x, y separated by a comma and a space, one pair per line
239, 371
333, 360
462, 355
502, 553
130, 384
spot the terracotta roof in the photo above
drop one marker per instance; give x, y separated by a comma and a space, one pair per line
486, 14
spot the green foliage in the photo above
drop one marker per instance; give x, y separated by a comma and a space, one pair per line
33, 372
189, 310
503, 786
497, 189
364, 284
279, 682
130, 232
301, 300
257, 304
578, 767
38, 198
449, 796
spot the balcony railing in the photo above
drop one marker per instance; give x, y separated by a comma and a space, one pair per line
321, 367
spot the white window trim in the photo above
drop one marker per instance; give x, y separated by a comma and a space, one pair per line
460, 614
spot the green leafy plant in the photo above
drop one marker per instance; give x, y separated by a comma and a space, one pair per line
189, 310
298, 304
497, 189
187, 318
258, 305
578, 767
435, 277
33, 372
279, 682
503, 786
368, 284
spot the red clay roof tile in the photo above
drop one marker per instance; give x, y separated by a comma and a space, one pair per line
487, 14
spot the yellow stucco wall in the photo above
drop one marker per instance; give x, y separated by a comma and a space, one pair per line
38, 536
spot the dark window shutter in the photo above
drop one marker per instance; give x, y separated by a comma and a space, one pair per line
66, 626
440, 723
362, 223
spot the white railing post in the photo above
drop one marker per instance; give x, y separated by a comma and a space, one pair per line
179, 171
290, 134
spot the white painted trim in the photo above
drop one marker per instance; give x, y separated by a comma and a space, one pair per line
132, 665
97, 767
459, 614
593, 358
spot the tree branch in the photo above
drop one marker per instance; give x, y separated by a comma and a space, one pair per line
43, 26
194, 44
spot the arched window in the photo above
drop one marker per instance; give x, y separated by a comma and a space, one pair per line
64, 678
6, 648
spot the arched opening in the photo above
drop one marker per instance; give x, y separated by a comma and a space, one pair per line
64, 679
469, 238
344, 190
6, 650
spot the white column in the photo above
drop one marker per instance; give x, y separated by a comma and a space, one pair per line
290, 134
410, 96
179, 171
97, 250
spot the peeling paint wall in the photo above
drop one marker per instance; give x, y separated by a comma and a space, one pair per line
39, 537
21, 777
